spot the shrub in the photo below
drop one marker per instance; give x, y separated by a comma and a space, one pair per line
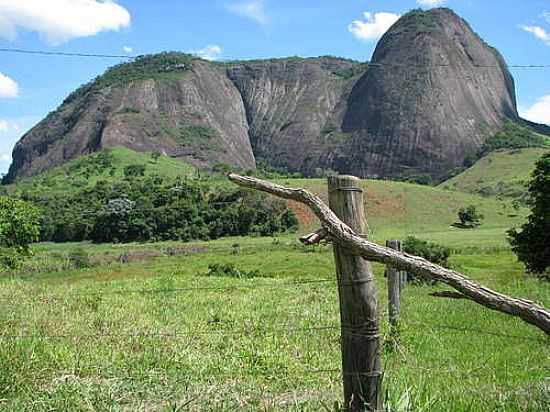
134, 170
19, 227
468, 217
431, 251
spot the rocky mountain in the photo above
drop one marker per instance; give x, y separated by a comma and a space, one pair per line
430, 97
434, 92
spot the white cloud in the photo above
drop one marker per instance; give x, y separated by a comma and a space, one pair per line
538, 32
210, 52
546, 16
5, 157
374, 26
431, 3
58, 21
8, 87
539, 112
127, 49
8, 126
254, 10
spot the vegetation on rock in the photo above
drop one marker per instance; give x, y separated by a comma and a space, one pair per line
513, 136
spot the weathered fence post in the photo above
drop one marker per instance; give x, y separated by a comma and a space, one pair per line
394, 286
362, 374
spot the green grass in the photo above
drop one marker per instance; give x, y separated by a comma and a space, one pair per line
270, 341
501, 173
255, 346
398, 209
107, 165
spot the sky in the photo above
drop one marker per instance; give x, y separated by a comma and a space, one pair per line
32, 85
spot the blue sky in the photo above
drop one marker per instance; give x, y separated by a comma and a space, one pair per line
31, 85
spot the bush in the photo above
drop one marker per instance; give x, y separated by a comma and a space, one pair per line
19, 227
468, 217
431, 251
134, 170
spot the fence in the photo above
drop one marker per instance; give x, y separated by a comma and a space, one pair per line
360, 318
343, 221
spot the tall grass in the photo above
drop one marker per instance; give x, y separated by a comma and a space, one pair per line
137, 336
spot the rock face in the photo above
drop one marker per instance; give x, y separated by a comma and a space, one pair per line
195, 114
293, 105
432, 94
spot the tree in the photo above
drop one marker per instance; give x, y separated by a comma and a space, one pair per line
155, 156
532, 243
134, 170
19, 227
469, 217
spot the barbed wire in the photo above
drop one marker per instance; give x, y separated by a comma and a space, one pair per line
347, 330
279, 329
186, 289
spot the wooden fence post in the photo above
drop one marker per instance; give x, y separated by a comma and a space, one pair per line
362, 374
394, 286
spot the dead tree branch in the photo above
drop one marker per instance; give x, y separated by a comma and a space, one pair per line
528, 311
316, 237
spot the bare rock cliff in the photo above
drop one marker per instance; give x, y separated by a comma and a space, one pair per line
188, 110
433, 93
430, 97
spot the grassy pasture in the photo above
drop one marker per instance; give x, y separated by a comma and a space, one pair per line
500, 173
158, 334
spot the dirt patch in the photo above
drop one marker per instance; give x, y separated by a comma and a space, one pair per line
305, 216
379, 203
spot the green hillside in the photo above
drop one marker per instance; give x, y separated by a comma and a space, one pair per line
109, 165
398, 209
394, 209
501, 173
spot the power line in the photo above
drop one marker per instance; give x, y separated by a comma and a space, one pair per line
479, 66
66, 54
369, 64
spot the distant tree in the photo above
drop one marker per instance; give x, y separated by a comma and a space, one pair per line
134, 170
19, 227
155, 156
532, 243
469, 217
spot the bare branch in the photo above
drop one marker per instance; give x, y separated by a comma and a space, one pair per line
316, 237
528, 311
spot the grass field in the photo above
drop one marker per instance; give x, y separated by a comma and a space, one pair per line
159, 334
396, 210
500, 173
